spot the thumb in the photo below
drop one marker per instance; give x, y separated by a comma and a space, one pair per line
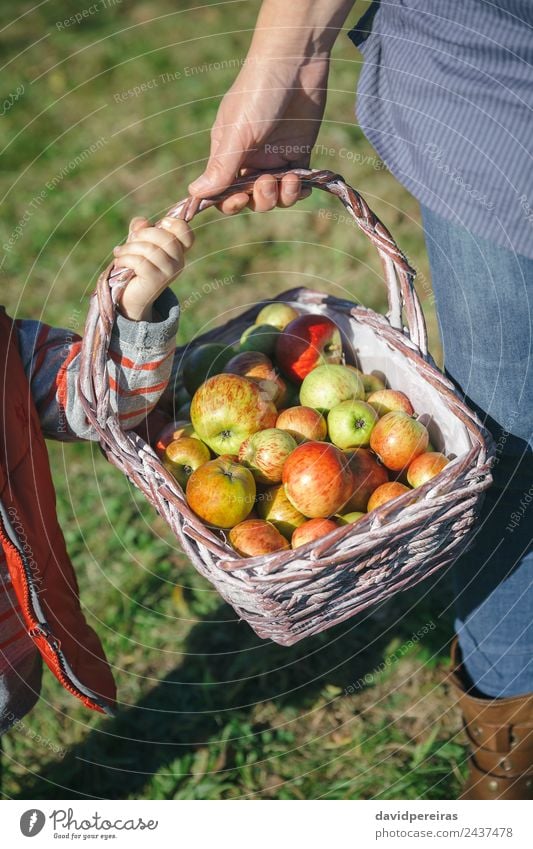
222, 167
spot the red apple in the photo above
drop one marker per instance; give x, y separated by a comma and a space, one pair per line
273, 505
397, 439
303, 423
254, 537
311, 530
367, 474
308, 341
221, 492
265, 453
171, 432
350, 424
317, 479
256, 366
426, 466
183, 456
389, 401
386, 492
227, 409
328, 385
277, 315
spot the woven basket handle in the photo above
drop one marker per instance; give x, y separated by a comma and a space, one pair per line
399, 276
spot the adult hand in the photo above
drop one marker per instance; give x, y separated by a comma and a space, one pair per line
270, 118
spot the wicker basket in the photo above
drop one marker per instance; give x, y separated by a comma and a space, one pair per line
289, 595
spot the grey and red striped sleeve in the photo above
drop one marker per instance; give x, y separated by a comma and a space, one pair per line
140, 360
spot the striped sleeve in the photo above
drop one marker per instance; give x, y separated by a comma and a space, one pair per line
140, 360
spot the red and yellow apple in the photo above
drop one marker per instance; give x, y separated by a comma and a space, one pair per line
256, 366
368, 474
277, 315
273, 505
308, 341
227, 409
171, 432
254, 537
317, 479
350, 424
389, 401
328, 385
303, 423
386, 492
182, 456
426, 466
397, 439
311, 530
221, 492
265, 453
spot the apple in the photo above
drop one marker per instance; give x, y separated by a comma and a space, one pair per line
152, 424
181, 397
386, 492
171, 432
256, 366
397, 439
254, 537
308, 341
277, 315
227, 409
328, 385
265, 453
371, 382
349, 518
259, 337
303, 423
204, 361
273, 505
221, 492
317, 479
389, 401
183, 456
350, 424
368, 474
311, 530
426, 466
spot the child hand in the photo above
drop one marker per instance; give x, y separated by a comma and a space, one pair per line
156, 255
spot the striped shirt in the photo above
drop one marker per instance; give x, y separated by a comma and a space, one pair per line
446, 96
140, 361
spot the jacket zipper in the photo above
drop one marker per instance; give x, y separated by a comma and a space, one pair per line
42, 629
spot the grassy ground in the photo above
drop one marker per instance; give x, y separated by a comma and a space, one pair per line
208, 710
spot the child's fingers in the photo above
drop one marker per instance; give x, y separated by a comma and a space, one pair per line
139, 264
162, 239
180, 229
137, 224
156, 255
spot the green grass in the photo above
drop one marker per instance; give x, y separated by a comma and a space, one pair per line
207, 709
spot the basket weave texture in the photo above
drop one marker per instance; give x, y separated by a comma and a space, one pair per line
289, 595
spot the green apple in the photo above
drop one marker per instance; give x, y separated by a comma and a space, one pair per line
260, 337
350, 424
202, 362
327, 385
349, 518
277, 315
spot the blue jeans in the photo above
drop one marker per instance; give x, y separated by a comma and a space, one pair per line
484, 298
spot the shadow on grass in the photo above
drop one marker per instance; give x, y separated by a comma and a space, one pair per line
225, 672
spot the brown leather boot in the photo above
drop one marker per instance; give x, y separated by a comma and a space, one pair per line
500, 734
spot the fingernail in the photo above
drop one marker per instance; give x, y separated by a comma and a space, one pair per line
270, 189
167, 223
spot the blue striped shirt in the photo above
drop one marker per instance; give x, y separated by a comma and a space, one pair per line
446, 96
